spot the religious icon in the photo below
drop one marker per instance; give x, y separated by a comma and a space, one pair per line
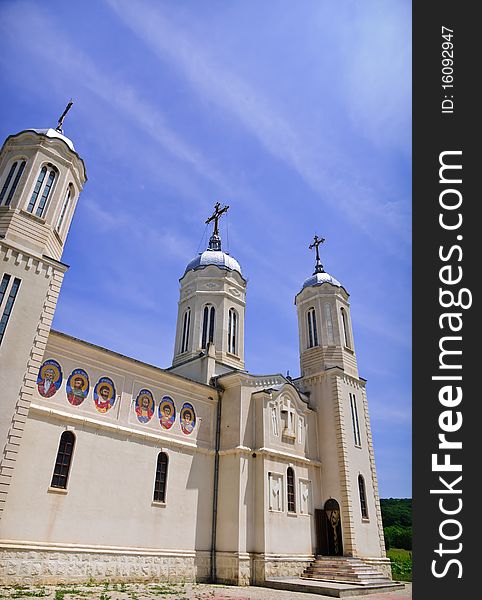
167, 412
49, 378
144, 406
77, 387
104, 394
188, 418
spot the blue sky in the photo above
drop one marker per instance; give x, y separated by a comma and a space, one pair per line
297, 114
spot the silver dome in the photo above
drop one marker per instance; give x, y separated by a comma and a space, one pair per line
319, 278
52, 133
214, 257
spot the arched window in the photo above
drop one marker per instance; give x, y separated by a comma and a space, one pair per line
68, 196
161, 478
42, 189
232, 330
312, 333
344, 321
363, 499
11, 182
8, 306
290, 482
208, 325
329, 324
354, 420
186, 323
63, 460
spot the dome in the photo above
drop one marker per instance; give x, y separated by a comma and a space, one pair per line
320, 278
214, 257
52, 133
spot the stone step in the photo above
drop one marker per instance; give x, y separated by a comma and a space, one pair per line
344, 574
341, 569
344, 570
347, 580
339, 564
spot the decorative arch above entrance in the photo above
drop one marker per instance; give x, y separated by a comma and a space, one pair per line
328, 529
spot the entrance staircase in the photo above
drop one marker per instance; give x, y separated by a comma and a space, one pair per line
344, 569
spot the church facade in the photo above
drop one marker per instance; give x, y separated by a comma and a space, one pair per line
113, 469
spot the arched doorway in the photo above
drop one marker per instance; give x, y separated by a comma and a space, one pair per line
328, 529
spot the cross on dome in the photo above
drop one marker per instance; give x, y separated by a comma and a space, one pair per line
215, 240
62, 117
316, 244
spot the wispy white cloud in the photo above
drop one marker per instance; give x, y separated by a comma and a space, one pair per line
25, 23
222, 87
142, 234
377, 95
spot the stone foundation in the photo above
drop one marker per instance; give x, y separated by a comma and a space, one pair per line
382, 565
43, 564
269, 566
35, 565
233, 568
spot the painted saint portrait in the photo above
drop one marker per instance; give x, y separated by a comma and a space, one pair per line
167, 412
144, 406
77, 387
104, 394
187, 418
49, 378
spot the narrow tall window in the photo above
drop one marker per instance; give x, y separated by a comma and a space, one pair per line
7, 311
290, 482
3, 286
45, 195
312, 333
42, 188
208, 325
9, 187
63, 460
232, 330
329, 324
354, 420
344, 321
363, 498
205, 326
186, 322
36, 190
161, 478
212, 313
68, 196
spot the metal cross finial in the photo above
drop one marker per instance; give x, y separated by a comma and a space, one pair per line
316, 245
62, 117
216, 216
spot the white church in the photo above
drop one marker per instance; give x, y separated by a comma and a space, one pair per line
116, 470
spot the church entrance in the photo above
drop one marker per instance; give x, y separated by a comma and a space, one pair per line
328, 529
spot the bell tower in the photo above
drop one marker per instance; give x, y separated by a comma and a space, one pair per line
324, 322
329, 375
41, 177
210, 323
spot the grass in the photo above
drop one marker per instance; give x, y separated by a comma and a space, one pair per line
401, 562
167, 588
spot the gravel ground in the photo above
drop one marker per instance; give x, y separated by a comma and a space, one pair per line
168, 591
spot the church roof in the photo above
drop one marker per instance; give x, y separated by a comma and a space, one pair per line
214, 257
52, 133
319, 279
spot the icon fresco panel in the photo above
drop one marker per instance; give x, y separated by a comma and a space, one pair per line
77, 387
187, 418
144, 406
104, 394
49, 378
167, 412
